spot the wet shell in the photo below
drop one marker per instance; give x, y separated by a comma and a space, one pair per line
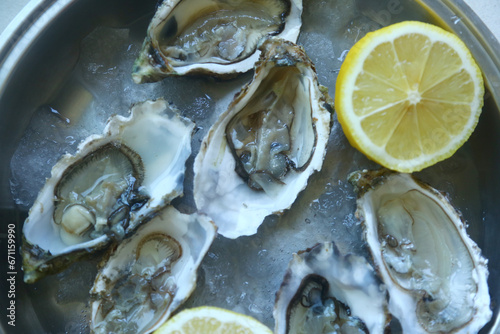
325, 291
150, 274
259, 154
215, 37
103, 191
435, 275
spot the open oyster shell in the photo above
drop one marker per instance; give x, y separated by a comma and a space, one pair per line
324, 291
150, 274
259, 154
103, 191
217, 37
435, 275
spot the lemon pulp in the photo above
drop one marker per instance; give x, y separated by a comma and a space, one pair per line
212, 320
409, 95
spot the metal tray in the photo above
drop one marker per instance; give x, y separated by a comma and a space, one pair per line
55, 90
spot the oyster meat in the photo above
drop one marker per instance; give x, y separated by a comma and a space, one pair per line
324, 291
103, 191
260, 153
217, 37
150, 274
435, 275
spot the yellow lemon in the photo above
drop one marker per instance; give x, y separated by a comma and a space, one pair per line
212, 320
409, 95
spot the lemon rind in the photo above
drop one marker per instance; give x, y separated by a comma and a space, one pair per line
352, 67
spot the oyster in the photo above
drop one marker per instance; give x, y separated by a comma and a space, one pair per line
260, 153
150, 274
325, 291
217, 37
103, 191
435, 275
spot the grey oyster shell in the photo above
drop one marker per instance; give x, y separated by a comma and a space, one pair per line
101, 193
215, 37
260, 153
435, 275
324, 291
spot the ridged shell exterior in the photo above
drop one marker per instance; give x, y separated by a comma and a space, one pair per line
149, 123
151, 65
352, 281
373, 185
194, 233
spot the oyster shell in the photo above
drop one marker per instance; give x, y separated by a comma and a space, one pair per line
435, 275
260, 153
325, 291
150, 274
218, 37
103, 191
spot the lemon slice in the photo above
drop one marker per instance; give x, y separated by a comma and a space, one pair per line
409, 95
212, 320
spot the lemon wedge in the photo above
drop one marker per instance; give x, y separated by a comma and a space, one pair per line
211, 320
409, 95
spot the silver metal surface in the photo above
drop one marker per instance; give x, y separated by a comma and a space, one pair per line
37, 58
